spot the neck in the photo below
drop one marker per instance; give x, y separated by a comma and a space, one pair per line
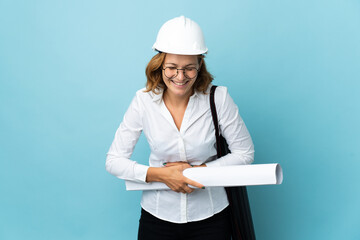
176, 101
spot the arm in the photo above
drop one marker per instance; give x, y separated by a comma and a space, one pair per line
233, 128
118, 161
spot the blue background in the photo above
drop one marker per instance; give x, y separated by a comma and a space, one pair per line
69, 69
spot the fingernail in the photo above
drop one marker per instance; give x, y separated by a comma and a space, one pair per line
203, 188
191, 165
164, 163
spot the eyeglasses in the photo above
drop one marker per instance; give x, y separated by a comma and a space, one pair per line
189, 72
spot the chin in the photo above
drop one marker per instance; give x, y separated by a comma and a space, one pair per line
179, 91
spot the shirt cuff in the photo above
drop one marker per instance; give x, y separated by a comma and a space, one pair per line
140, 172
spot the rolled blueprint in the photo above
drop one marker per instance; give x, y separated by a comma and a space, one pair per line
225, 176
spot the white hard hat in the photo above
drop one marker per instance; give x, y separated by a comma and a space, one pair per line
180, 35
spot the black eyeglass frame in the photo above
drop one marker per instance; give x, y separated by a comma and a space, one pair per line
177, 72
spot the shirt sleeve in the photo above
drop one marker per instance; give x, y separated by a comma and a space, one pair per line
118, 161
233, 129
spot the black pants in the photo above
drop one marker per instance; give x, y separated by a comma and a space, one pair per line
216, 227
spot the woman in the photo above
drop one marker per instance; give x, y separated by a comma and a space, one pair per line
174, 113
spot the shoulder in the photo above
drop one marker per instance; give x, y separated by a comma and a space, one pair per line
143, 95
147, 99
223, 100
221, 94
221, 91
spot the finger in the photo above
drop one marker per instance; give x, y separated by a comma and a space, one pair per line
202, 165
193, 183
188, 189
177, 189
185, 166
180, 190
183, 191
184, 188
171, 164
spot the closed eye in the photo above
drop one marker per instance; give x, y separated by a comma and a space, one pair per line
190, 69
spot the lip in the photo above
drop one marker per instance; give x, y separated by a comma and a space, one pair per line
180, 86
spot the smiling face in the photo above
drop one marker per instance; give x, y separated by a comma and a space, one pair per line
180, 85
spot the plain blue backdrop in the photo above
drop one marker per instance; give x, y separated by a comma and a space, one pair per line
69, 69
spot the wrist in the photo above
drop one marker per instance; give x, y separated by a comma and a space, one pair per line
154, 174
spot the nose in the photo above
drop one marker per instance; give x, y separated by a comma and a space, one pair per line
180, 74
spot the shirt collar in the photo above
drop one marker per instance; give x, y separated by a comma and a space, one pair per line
157, 97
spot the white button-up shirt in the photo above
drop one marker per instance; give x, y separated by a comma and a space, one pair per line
194, 143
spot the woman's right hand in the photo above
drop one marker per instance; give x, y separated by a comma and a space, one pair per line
173, 177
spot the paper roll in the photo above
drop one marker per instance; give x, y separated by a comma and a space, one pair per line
226, 176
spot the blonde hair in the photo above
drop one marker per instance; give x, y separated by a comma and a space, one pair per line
154, 75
